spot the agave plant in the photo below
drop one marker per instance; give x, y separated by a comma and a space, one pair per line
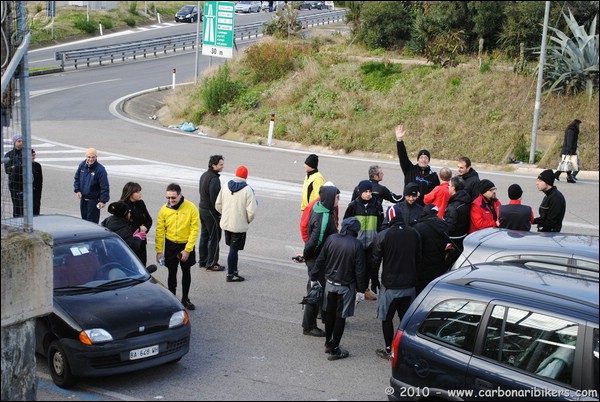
572, 63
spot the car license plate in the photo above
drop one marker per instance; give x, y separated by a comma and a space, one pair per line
143, 352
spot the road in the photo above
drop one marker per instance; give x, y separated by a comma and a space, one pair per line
247, 342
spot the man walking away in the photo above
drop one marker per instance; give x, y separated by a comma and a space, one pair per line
342, 260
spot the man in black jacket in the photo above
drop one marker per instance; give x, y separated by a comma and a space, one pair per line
434, 238
399, 246
419, 173
342, 259
210, 218
553, 206
321, 224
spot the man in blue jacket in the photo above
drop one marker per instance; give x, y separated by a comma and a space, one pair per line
91, 186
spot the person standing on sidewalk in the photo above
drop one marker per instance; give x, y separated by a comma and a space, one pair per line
210, 218
237, 206
177, 228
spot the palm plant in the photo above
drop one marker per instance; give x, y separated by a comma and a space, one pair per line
572, 65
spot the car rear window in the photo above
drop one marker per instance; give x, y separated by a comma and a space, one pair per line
537, 343
454, 322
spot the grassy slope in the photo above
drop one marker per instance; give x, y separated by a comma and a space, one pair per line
452, 112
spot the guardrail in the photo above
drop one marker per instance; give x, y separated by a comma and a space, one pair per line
153, 47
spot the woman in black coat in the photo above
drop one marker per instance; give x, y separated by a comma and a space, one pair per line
140, 217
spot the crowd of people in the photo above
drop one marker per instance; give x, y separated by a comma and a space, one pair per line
415, 240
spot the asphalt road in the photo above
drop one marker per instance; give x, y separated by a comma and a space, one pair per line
247, 342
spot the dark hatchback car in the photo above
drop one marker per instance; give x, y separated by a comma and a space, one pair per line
499, 332
110, 316
573, 252
189, 13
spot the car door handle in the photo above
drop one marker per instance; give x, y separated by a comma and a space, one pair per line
482, 384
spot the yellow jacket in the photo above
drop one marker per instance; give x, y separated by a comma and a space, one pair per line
181, 225
310, 190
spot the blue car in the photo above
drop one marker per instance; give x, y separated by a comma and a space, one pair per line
499, 331
110, 316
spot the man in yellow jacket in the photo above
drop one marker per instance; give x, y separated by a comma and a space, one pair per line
177, 229
312, 182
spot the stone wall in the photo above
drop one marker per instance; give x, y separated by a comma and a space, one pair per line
26, 293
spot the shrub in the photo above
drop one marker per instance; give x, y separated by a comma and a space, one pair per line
445, 49
130, 21
270, 60
219, 91
106, 22
86, 26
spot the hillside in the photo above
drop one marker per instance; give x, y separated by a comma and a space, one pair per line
333, 95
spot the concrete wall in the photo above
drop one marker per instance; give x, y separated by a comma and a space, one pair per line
26, 293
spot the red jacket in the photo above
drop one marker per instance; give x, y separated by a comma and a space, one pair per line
482, 215
439, 197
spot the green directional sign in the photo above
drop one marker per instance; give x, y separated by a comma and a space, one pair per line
217, 38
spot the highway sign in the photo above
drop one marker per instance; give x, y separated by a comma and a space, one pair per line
217, 38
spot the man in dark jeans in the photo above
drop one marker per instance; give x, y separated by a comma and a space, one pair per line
210, 218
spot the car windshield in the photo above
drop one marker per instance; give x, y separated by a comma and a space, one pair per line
186, 10
96, 265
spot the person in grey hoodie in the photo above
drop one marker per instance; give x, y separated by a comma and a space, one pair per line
237, 206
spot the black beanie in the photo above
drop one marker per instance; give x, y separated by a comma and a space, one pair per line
365, 185
119, 209
515, 192
547, 176
411, 189
312, 161
485, 185
424, 152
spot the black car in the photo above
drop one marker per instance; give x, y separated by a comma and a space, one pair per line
189, 13
499, 331
110, 316
554, 250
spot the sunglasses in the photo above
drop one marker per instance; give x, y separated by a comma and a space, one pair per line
171, 198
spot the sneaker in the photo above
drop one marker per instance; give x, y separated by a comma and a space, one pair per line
215, 268
384, 354
328, 347
188, 304
571, 180
370, 295
318, 332
234, 278
338, 354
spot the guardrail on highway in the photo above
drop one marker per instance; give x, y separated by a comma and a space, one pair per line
153, 47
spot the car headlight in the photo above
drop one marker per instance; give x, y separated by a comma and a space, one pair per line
94, 336
178, 319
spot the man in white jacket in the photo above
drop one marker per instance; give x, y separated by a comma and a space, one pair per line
237, 205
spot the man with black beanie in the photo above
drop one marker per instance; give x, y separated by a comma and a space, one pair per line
514, 215
484, 210
553, 206
312, 182
419, 173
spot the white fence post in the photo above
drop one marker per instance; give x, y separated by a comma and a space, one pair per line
271, 124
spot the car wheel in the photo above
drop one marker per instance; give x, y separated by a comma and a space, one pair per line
59, 366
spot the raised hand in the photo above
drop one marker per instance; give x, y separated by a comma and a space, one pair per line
400, 132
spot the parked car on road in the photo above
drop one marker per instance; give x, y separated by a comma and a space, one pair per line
189, 13
110, 315
499, 331
554, 250
247, 7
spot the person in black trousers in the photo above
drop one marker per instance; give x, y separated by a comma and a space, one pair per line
210, 218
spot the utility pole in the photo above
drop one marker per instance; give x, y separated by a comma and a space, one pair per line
538, 92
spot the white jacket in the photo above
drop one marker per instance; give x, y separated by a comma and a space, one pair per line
237, 205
